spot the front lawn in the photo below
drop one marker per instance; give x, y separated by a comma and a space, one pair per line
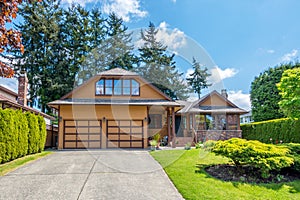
194, 183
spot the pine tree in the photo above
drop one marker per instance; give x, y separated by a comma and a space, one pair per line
40, 32
115, 49
198, 79
158, 67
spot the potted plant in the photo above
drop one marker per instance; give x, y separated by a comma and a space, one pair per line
156, 137
153, 144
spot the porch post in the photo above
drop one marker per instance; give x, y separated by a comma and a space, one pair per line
168, 125
173, 128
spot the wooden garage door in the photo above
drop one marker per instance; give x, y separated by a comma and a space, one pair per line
124, 134
82, 134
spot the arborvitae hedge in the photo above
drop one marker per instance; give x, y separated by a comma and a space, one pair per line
20, 134
273, 131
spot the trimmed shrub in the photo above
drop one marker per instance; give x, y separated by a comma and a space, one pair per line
265, 157
42, 132
21, 127
7, 138
34, 133
20, 134
273, 131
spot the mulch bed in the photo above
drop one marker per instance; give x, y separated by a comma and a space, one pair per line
250, 175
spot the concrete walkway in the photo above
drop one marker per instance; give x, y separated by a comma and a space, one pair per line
102, 174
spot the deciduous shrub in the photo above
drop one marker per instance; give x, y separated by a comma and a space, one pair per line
273, 131
265, 157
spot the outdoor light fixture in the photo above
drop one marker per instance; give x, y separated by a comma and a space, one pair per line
104, 119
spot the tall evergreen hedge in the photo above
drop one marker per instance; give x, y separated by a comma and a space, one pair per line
273, 131
20, 134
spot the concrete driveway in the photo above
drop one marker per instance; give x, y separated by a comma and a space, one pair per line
100, 174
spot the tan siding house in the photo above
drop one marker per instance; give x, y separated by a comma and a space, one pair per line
114, 109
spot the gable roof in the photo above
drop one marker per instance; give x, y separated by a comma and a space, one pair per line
195, 107
115, 72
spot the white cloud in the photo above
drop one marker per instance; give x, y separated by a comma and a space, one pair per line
270, 51
174, 1
240, 99
81, 2
124, 8
288, 57
218, 74
172, 38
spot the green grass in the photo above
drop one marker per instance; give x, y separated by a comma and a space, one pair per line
194, 183
12, 165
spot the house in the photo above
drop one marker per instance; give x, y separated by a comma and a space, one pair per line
120, 109
114, 109
246, 118
213, 117
13, 100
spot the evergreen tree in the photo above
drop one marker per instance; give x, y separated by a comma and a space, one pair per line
198, 79
264, 94
114, 51
158, 67
40, 32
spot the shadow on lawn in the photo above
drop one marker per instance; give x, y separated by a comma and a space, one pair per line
292, 186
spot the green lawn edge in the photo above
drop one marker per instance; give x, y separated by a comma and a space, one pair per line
194, 183
15, 164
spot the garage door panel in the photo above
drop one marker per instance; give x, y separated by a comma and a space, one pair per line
125, 123
83, 137
136, 144
82, 144
113, 144
94, 144
94, 123
95, 130
70, 123
70, 130
137, 130
70, 137
124, 144
83, 130
82, 123
128, 134
113, 130
124, 130
136, 137
79, 134
95, 137
112, 123
71, 145
113, 137
125, 137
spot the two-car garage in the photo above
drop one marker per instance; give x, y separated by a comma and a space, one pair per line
97, 134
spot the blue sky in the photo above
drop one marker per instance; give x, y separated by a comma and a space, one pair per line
236, 39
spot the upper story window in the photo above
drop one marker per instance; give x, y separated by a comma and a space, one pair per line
118, 87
